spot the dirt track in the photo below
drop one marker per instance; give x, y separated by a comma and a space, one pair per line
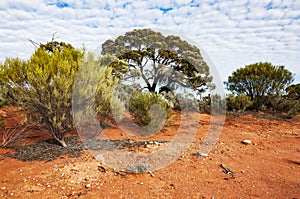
269, 167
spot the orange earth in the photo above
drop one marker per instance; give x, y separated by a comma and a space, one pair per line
268, 167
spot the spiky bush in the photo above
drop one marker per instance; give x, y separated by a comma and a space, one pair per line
93, 98
43, 85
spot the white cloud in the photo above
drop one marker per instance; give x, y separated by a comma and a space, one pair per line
233, 33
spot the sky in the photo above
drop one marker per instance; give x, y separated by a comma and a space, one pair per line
233, 33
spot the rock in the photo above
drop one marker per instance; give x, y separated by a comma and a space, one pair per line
203, 154
246, 142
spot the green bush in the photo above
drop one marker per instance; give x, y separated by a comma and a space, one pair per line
43, 85
93, 92
284, 104
238, 103
149, 109
258, 81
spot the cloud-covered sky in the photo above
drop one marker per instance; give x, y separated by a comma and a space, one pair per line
233, 33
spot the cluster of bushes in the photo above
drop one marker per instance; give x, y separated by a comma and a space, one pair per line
60, 83
265, 87
43, 86
273, 104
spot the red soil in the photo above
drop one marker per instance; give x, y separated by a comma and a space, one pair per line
269, 167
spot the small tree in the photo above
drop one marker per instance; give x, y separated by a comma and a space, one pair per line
259, 81
43, 85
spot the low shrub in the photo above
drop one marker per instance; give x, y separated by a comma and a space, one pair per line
182, 102
284, 104
238, 103
149, 109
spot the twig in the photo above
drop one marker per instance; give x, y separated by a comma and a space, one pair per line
12, 135
227, 171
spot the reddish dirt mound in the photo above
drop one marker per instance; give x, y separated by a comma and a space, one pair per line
269, 167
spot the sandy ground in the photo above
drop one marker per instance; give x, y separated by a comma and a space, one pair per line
269, 167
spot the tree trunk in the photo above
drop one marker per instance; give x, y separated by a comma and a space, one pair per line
152, 88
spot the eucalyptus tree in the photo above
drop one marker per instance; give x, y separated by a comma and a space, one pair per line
161, 63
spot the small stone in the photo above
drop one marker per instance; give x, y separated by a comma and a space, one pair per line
3, 188
87, 185
246, 142
203, 154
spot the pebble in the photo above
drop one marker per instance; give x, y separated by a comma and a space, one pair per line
246, 142
87, 185
203, 154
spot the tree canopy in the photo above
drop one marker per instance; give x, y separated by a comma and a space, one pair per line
160, 62
259, 80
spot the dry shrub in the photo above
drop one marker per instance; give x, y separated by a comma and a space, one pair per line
12, 136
